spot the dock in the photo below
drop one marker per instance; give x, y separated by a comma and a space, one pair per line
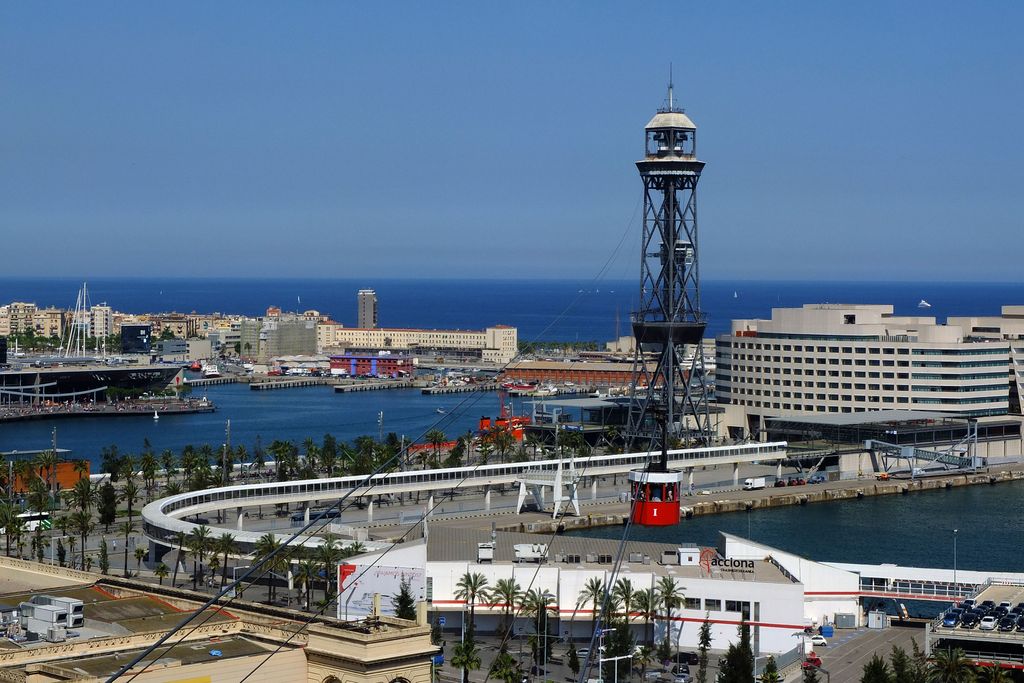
375, 386
24, 413
210, 381
290, 383
460, 389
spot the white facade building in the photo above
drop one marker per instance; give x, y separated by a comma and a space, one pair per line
734, 583
497, 344
837, 358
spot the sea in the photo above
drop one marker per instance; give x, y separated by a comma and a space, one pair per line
542, 310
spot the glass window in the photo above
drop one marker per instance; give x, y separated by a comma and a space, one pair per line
713, 605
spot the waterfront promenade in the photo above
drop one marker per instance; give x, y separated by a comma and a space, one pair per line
130, 408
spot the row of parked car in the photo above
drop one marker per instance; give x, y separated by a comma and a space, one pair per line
986, 616
800, 481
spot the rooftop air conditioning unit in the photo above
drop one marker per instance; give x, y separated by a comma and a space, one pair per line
56, 634
485, 552
636, 557
591, 558
669, 557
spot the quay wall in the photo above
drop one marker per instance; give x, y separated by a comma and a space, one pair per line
772, 498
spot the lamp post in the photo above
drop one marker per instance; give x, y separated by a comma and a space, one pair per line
956, 586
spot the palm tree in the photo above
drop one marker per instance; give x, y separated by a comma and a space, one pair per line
140, 555
466, 657
8, 513
950, 666
81, 522
47, 462
130, 495
507, 593
993, 674
224, 545
127, 529
670, 594
161, 572
267, 547
647, 603
592, 592
471, 586
179, 538
81, 468
625, 594
328, 554
435, 437
198, 547
307, 571
536, 603
167, 461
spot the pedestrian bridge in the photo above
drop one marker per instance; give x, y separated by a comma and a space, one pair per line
922, 583
163, 519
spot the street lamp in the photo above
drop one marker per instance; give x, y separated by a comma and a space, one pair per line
956, 586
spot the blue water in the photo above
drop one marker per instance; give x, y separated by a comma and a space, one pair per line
287, 414
911, 530
550, 310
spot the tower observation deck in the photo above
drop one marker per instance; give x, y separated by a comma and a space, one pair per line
669, 402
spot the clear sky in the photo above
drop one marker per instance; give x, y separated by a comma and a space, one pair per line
844, 140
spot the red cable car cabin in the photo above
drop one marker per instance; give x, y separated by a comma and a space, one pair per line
655, 497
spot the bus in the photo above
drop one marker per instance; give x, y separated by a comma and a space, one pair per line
33, 521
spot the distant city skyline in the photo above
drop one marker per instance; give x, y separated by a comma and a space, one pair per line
850, 143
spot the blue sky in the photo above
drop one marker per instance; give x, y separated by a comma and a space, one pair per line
844, 141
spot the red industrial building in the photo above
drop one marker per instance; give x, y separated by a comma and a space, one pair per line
578, 372
356, 365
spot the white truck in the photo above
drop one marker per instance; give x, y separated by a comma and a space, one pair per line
754, 484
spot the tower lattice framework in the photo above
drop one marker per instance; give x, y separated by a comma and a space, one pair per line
670, 389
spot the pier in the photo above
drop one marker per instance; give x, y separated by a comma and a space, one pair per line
24, 413
210, 381
270, 384
460, 389
375, 386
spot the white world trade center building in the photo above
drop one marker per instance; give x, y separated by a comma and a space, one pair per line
839, 358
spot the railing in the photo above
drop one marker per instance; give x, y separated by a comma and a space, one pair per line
160, 523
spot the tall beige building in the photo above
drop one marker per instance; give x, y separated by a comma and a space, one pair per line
497, 344
837, 358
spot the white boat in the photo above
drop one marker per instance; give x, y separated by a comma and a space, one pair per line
210, 371
156, 416
924, 304
735, 295
441, 411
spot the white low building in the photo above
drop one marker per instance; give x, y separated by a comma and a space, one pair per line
778, 594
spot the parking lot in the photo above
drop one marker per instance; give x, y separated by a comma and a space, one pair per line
847, 653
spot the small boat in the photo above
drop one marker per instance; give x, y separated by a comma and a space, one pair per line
196, 366
924, 304
156, 415
441, 411
211, 371
735, 295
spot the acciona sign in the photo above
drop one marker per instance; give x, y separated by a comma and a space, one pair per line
709, 560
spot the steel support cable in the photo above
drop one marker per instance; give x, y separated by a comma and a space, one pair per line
475, 396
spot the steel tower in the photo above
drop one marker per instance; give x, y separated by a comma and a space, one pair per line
669, 399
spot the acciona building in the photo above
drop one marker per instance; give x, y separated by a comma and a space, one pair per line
840, 358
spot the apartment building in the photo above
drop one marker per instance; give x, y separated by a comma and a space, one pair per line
1009, 327
498, 344
837, 358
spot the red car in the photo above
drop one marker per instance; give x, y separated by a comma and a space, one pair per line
811, 661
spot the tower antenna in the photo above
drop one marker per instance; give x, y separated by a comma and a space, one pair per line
670, 86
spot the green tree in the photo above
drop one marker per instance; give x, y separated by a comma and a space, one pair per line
536, 603
224, 545
671, 595
504, 667
704, 644
470, 588
876, 671
127, 529
737, 665
574, 661
901, 665
107, 506
198, 546
592, 593
104, 557
647, 604
771, 672
625, 594
810, 675
506, 592
466, 657
140, 555
993, 674
950, 666
403, 601
267, 552
81, 524
161, 572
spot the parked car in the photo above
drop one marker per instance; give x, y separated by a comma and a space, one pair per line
969, 620
1020, 623
780, 482
819, 640
817, 479
680, 669
1007, 624
682, 678
987, 623
687, 658
968, 603
952, 617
